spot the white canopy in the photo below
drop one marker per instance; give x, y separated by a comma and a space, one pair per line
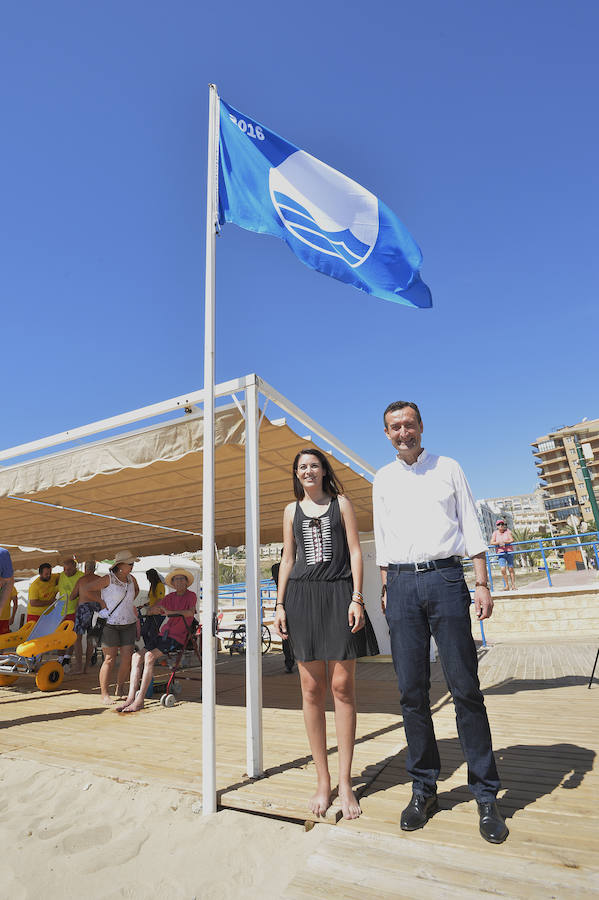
143, 491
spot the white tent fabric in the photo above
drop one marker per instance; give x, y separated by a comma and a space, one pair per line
169, 442
144, 490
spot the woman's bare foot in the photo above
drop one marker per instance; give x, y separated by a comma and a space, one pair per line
107, 700
129, 700
349, 803
321, 800
135, 706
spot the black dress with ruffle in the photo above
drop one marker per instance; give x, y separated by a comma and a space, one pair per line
319, 591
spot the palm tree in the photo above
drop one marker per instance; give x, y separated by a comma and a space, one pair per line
528, 555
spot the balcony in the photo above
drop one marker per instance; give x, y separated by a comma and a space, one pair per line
561, 467
569, 499
544, 446
561, 515
548, 456
560, 483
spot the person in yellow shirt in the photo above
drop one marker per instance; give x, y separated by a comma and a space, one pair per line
67, 580
7, 615
42, 592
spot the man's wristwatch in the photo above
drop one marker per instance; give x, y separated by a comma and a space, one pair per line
481, 584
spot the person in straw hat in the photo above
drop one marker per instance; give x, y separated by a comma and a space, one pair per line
118, 591
171, 636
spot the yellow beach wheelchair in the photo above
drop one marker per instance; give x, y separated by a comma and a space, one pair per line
12, 639
40, 649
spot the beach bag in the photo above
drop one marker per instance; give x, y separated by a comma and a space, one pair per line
97, 627
98, 621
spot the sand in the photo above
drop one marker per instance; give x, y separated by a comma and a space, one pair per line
69, 834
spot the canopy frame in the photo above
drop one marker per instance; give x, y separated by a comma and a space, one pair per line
251, 387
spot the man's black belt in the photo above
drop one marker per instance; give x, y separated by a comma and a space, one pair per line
429, 566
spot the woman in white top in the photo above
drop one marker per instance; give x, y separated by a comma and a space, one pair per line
118, 592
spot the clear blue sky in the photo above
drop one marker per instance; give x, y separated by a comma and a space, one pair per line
475, 122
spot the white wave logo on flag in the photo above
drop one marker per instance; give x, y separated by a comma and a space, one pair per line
324, 208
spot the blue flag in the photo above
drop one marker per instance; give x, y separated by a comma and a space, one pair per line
331, 223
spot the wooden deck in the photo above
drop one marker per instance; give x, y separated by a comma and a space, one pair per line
545, 731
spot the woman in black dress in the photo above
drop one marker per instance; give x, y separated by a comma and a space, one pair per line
320, 609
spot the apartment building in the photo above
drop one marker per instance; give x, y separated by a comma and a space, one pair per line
560, 474
488, 513
521, 510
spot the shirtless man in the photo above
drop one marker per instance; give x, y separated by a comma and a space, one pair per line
85, 592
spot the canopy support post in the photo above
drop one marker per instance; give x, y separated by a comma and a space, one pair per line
253, 659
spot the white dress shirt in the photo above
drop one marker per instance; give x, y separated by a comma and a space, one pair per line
424, 511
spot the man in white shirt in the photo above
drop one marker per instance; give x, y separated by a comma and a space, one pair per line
424, 522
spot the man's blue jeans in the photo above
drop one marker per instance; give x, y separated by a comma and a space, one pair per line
438, 602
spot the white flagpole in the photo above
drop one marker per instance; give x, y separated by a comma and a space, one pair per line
208, 567
253, 618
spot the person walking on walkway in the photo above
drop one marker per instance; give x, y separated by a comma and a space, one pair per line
320, 609
424, 522
502, 540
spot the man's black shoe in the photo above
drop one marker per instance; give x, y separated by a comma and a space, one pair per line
418, 812
492, 825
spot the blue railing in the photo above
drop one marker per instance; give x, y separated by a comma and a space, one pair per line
235, 592
544, 545
541, 546
230, 593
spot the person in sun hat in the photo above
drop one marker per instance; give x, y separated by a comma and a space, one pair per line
171, 637
118, 591
502, 539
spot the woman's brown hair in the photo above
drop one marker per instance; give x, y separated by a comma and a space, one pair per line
330, 483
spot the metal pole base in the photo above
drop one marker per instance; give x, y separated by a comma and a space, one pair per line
593, 672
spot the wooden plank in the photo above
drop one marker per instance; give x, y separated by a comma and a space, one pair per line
545, 731
362, 865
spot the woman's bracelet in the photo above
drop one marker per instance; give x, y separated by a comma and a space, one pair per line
358, 595
359, 602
